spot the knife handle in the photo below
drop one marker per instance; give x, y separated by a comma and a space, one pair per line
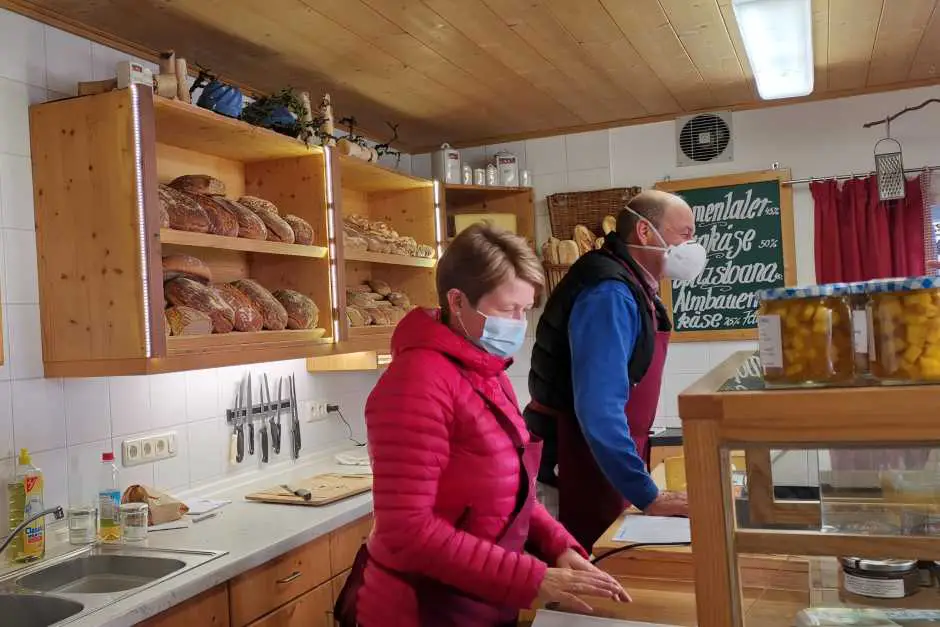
233, 449
240, 445
251, 438
264, 446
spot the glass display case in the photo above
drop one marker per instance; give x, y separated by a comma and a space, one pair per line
870, 539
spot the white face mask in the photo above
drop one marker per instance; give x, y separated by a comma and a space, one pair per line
684, 262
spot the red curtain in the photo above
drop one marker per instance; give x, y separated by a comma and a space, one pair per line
859, 237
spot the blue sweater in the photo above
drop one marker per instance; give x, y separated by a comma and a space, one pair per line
602, 331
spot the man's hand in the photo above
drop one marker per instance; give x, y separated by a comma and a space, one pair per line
572, 560
669, 504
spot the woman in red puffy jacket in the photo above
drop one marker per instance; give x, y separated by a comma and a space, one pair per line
459, 538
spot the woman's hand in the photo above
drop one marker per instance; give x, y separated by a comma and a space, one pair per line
566, 586
572, 560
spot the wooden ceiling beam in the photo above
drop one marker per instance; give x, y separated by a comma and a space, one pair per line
853, 27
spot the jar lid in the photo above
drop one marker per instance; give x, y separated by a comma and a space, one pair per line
806, 291
858, 287
134, 507
879, 566
909, 284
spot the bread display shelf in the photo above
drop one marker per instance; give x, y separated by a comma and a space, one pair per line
205, 240
273, 340
363, 176
395, 260
372, 331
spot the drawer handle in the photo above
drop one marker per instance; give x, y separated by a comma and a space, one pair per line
291, 577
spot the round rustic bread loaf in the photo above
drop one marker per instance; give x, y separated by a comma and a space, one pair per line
247, 316
199, 184
302, 312
222, 220
188, 293
164, 217
399, 299
259, 205
183, 211
303, 231
272, 312
278, 229
186, 266
380, 287
357, 317
250, 226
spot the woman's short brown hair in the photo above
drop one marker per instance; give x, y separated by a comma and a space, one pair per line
480, 259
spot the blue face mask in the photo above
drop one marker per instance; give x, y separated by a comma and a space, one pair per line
502, 337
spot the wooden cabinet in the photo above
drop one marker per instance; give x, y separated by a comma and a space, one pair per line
345, 543
516, 202
209, 609
311, 609
97, 161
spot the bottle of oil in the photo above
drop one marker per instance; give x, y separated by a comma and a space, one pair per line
109, 500
25, 495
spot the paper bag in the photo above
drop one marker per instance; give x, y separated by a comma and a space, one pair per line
163, 507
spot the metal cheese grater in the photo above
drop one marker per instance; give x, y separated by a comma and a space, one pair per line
889, 169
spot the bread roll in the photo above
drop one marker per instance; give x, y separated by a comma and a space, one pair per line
250, 226
358, 288
221, 220
404, 246
199, 184
424, 251
247, 316
354, 242
360, 223
188, 293
360, 299
259, 205
186, 266
183, 211
184, 320
608, 224
584, 238
380, 317
380, 287
272, 312
399, 299
302, 312
303, 231
568, 252
356, 316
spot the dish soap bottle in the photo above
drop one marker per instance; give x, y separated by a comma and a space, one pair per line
109, 501
25, 494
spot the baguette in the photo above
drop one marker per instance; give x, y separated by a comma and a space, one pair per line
599, 243
183, 211
247, 317
272, 312
250, 226
184, 320
186, 266
609, 224
302, 312
303, 231
221, 220
188, 293
568, 252
199, 184
584, 238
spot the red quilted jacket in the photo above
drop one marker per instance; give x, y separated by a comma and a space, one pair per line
440, 456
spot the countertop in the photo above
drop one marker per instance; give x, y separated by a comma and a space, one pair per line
252, 533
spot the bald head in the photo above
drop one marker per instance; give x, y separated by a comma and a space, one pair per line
667, 212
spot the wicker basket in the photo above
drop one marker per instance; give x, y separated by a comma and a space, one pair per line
570, 209
553, 275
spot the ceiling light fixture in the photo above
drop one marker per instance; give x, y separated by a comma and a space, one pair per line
778, 39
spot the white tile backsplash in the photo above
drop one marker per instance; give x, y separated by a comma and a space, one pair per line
87, 410
23, 57
130, 405
15, 99
587, 180
167, 405
21, 279
546, 155
16, 193
39, 414
7, 448
588, 151
67, 57
25, 340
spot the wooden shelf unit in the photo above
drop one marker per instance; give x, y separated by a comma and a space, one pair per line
518, 201
408, 205
714, 422
96, 164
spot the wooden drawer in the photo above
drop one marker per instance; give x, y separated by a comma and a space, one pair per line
271, 585
345, 542
209, 609
338, 582
313, 609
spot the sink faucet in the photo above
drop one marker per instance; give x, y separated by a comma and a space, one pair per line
55, 511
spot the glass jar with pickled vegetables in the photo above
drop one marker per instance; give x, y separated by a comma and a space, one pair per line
806, 336
905, 326
861, 326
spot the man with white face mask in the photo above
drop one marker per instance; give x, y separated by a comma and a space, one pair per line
597, 367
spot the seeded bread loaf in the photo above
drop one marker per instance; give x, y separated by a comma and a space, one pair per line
186, 321
250, 226
221, 220
175, 266
380, 287
424, 250
247, 316
303, 231
184, 212
399, 299
272, 312
259, 205
188, 293
357, 317
302, 312
164, 217
199, 184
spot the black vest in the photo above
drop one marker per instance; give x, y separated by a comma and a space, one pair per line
550, 372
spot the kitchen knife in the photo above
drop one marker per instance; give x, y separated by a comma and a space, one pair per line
295, 420
276, 424
251, 420
233, 443
240, 429
265, 410
301, 492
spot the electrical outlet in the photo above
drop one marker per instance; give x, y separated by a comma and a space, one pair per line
137, 451
317, 411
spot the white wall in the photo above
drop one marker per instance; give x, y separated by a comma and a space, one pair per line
67, 424
816, 139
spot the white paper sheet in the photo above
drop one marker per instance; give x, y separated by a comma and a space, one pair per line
202, 506
548, 618
653, 529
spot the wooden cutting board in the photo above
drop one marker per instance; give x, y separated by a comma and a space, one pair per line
324, 489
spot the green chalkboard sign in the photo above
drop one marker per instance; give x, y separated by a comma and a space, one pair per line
745, 222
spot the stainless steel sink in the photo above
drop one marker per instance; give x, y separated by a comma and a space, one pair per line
99, 574
34, 610
60, 590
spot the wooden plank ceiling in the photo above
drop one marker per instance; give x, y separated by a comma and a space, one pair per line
475, 71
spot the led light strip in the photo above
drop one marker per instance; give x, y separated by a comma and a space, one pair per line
331, 238
141, 218
437, 218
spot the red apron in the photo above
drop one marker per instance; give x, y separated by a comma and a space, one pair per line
440, 605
